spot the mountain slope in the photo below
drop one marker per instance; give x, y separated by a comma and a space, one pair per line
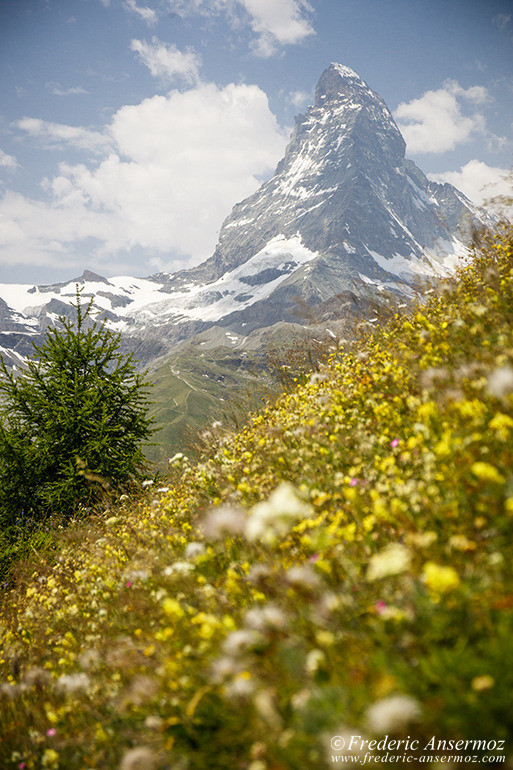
341, 568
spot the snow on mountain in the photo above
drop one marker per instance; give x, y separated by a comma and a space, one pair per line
114, 295
236, 289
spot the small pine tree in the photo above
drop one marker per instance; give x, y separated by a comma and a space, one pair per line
72, 423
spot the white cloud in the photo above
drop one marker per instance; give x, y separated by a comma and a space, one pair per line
278, 21
149, 15
275, 22
502, 20
59, 90
478, 181
298, 98
56, 134
34, 233
176, 166
7, 161
476, 94
436, 123
167, 61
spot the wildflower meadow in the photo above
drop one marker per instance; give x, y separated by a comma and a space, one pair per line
336, 576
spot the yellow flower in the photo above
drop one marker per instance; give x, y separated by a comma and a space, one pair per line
487, 472
164, 634
427, 410
502, 425
50, 758
438, 579
348, 532
481, 683
172, 609
462, 543
443, 448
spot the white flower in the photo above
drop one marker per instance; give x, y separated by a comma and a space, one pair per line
239, 641
73, 682
89, 658
178, 458
392, 714
314, 660
267, 618
140, 758
9, 691
153, 722
194, 550
241, 686
178, 568
259, 573
137, 574
36, 677
392, 560
147, 483
301, 699
303, 577
277, 515
317, 377
222, 521
223, 668
500, 381
141, 690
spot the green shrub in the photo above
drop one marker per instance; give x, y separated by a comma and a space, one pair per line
72, 425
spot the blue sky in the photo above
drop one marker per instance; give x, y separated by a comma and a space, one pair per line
129, 128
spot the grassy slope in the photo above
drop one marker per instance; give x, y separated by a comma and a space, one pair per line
381, 567
208, 381
193, 388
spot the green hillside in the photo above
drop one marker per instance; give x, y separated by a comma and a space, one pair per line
190, 391
219, 377
337, 573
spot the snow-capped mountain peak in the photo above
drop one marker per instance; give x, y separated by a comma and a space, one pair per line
345, 212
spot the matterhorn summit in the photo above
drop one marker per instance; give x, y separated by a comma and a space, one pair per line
344, 213
344, 218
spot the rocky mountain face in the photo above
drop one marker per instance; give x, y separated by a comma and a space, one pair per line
345, 218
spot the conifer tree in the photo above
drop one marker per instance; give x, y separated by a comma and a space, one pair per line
72, 423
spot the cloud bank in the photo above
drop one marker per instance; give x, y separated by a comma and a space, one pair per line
169, 171
442, 119
167, 61
275, 23
478, 181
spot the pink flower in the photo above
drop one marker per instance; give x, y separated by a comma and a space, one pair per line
395, 442
128, 583
380, 606
353, 482
51, 732
314, 557
22, 766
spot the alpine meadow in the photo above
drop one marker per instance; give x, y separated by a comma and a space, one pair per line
256, 384
340, 567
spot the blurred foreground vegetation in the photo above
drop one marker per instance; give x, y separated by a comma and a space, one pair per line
341, 567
